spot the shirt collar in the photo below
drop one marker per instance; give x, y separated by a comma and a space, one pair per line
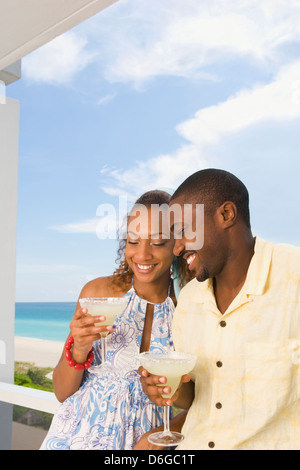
259, 267
256, 278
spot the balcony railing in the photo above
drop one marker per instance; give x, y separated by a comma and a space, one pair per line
28, 397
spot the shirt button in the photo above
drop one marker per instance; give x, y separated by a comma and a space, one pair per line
211, 444
223, 323
219, 363
219, 405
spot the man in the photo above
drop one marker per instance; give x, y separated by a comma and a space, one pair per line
240, 316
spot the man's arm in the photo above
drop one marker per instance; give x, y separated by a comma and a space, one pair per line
185, 395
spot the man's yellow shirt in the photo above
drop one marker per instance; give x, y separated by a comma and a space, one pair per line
247, 376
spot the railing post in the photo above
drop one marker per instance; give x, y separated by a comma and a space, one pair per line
9, 132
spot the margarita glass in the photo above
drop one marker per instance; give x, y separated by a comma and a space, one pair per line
171, 365
109, 307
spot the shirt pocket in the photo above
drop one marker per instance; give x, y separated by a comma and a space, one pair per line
271, 377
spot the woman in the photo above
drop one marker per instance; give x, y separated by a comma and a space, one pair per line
108, 410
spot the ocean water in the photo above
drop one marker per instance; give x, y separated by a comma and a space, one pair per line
44, 320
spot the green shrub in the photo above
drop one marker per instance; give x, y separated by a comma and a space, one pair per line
28, 375
22, 379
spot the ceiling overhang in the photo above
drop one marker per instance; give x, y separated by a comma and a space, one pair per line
25, 25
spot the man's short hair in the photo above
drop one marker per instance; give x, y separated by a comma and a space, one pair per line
212, 187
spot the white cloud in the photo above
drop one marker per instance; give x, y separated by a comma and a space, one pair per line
163, 172
138, 40
275, 101
104, 100
105, 226
85, 226
58, 61
272, 102
145, 39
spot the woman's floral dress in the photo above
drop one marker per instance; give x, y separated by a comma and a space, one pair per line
110, 410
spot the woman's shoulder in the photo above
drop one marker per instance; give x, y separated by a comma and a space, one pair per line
107, 286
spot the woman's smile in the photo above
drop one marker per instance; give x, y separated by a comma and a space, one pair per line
144, 268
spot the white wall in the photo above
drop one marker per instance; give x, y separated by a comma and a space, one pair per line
9, 136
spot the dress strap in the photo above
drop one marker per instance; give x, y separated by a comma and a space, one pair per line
175, 277
170, 285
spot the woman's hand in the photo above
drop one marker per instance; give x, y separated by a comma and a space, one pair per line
176, 425
153, 387
85, 332
144, 444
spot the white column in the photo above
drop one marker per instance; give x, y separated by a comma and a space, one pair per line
9, 136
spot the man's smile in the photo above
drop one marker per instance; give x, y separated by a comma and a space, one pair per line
189, 257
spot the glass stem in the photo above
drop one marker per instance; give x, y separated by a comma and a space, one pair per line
103, 341
167, 420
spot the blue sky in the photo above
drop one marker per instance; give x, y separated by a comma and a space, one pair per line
139, 97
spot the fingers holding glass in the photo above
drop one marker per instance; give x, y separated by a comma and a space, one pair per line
174, 365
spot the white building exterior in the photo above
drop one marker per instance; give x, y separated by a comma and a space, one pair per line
25, 25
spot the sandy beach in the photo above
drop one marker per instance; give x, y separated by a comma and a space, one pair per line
40, 352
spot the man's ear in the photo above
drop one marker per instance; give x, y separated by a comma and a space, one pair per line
228, 214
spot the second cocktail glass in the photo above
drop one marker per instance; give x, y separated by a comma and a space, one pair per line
109, 307
171, 365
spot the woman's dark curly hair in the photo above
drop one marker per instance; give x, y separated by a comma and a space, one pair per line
123, 272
